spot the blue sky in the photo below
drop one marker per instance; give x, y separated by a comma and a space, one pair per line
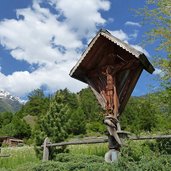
40, 41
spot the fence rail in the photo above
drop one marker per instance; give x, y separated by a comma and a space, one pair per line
48, 144
95, 141
150, 137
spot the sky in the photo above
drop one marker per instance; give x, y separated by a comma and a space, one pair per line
41, 40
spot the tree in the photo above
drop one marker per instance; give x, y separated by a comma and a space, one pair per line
70, 98
89, 105
5, 118
37, 104
140, 115
54, 123
77, 122
157, 14
17, 128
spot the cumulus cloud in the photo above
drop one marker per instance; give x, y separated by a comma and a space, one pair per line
158, 72
51, 40
130, 23
53, 77
120, 34
37, 38
141, 50
82, 16
134, 34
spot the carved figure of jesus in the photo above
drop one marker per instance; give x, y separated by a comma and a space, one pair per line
109, 89
112, 102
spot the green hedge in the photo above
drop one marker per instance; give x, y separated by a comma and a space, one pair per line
68, 162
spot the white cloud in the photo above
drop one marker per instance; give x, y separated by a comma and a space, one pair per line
82, 16
38, 37
120, 35
158, 72
110, 20
50, 40
134, 34
54, 77
130, 23
139, 48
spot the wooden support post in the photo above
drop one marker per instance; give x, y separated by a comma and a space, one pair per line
46, 149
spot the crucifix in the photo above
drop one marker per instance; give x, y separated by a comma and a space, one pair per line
111, 68
105, 78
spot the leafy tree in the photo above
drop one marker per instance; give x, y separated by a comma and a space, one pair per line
89, 105
77, 122
37, 104
21, 128
130, 117
5, 118
140, 114
70, 98
157, 14
17, 128
147, 115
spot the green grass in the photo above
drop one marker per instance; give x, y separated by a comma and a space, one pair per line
136, 156
82, 162
18, 156
90, 149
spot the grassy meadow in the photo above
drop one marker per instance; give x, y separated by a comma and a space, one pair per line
17, 156
136, 156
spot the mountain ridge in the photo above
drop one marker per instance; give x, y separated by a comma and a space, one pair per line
8, 102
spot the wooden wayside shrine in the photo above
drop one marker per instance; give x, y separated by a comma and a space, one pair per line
111, 68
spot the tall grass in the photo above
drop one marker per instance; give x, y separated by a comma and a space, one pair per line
137, 155
89, 149
17, 156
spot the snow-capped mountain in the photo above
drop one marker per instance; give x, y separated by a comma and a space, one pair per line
8, 102
5, 94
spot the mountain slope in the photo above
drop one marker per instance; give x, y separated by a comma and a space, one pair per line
9, 103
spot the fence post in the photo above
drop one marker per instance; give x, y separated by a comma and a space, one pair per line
46, 149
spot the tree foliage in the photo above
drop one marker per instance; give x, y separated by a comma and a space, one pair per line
89, 105
68, 114
157, 14
54, 123
147, 113
37, 104
16, 128
5, 118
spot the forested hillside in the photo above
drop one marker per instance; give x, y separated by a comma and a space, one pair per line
67, 114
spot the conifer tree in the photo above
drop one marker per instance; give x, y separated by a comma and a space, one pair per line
54, 123
77, 122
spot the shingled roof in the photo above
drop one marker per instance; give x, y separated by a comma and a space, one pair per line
106, 34
98, 55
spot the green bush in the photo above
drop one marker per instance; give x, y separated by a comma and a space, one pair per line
68, 162
95, 126
136, 156
134, 150
164, 145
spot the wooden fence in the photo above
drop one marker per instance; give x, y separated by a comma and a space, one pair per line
48, 144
